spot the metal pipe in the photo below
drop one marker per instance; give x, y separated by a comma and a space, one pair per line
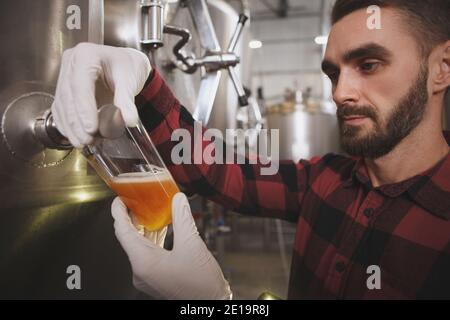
184, 62
152, 23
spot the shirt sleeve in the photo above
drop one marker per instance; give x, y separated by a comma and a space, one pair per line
239, 187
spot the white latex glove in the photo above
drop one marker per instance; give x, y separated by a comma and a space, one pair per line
123, 70
188, 271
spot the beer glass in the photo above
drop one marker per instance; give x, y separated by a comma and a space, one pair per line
126, 159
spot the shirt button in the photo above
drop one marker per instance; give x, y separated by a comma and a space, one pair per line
340, 266
369, 212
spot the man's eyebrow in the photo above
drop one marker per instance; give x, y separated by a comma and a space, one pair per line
368, 50
328, 66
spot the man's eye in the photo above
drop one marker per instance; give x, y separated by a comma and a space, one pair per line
369, 66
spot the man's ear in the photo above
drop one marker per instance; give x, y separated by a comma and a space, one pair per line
441, 79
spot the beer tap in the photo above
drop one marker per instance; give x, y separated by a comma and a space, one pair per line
28, 130
47, 133
110, 125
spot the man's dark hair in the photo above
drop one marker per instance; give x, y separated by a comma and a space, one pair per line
428, 19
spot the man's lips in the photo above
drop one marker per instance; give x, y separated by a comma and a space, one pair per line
354, 119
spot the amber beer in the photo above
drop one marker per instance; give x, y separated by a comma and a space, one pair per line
148, 195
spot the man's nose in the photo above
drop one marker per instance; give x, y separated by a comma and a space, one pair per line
346, 90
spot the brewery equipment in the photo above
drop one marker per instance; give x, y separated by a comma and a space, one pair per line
54, 209
203, 54
305, 130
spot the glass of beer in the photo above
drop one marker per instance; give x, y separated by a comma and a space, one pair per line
126, 159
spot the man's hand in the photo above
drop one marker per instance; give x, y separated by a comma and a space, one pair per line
188, 271
123, 70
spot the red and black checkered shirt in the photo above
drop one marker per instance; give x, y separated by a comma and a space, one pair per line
344, 224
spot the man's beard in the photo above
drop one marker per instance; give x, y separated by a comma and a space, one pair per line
402, 120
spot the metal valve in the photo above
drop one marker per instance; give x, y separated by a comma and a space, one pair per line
46, 132
214, 59
111, 126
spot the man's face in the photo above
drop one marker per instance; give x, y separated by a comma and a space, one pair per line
379, 82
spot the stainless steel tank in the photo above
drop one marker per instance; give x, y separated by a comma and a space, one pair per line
303, 133
54, 210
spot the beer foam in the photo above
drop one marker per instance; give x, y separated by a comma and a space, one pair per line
141, 177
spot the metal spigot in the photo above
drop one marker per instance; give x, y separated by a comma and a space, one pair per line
47, 133
111, 126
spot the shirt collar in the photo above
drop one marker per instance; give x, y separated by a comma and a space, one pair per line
430, 189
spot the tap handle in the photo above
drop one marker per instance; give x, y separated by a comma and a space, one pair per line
242, 96
243, 99
237, 32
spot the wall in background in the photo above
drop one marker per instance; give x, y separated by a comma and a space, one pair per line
289, 57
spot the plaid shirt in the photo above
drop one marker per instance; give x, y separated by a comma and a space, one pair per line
344, 224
